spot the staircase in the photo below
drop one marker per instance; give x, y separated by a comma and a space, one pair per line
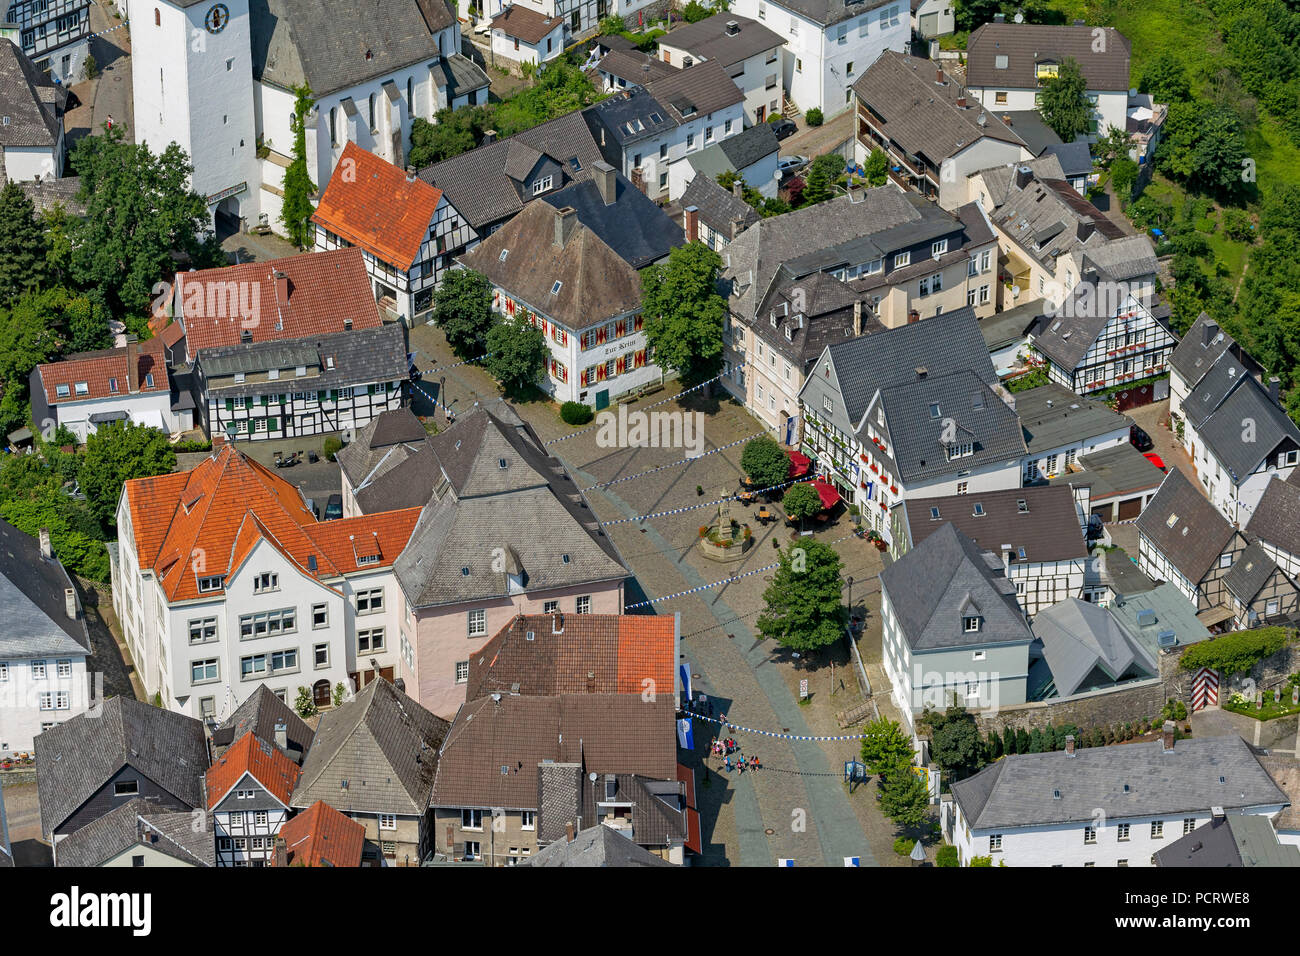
789, 109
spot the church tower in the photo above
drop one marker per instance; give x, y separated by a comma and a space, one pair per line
192, 82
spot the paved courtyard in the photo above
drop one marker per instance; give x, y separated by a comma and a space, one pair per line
797, 805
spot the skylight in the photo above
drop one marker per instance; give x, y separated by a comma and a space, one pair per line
555, 289
504, 253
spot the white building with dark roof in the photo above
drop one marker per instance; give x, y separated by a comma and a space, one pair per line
31, 135
1043, 809
750, 52
55, 34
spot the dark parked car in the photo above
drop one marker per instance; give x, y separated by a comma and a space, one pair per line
1140, 439
784, 128
334, 507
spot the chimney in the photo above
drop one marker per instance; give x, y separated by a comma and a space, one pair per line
1069, 745
1084, 229
961, 102
1006, 560
133, 350
1167, 736
569, 833
1273, 383
566, 220
410, 174
732, 28
489, 136
46, 550
913, 315
1024, 176
737, 227
638, 179
606, 182
1006, 118
281, 853
921, 373
938, 77
1208, 331
282, 735
857, 317
70, 603
738, 188
591, 682
557, 623
691, 221
281, 288
999, 18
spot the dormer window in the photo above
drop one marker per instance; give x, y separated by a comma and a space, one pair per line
970, 624
1022, 506
82, 388
501, 463
934, 514
112, 385
939, 248
62, 391
934, 412
789, 334
212, 583
978, 511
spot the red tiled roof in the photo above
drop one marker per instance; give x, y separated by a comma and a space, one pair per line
207, 521
321, 290
370, 203
99, 370
266, 763
528, 25
321, 836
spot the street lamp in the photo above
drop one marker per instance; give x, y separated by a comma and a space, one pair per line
849, 579
442, 396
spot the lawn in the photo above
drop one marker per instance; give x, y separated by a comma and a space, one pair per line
1231, 253
1269, 711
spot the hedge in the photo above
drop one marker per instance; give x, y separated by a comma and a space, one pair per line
1235, 653
576, 413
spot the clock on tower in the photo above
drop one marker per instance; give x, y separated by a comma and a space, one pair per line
217, 17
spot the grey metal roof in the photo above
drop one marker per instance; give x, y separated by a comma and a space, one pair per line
1047, 529
1053, 416
1023, 46
35, 620
1117, 471
1182, 525
1086, 647
479, 186
76, 758
596, 846
1012, 325
748, 147
915, 432
331, 48
1019, 790
140, 823
360, 356
718, 208
946, 343
1225, 436
378, 753
710, 39
632, 225
1249, 573
1231, 840
29, 101
1169, 611
1276, 519
260, 356
945, 577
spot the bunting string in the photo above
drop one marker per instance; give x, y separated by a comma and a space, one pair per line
707, 504
672, 464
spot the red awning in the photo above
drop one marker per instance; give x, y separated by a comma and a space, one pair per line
799, 463
826, 492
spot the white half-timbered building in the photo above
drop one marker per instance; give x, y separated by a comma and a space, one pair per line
248, 794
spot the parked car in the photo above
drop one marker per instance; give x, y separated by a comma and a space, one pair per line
1155, 460
1140, 439
792, 164
784, 128
334, 507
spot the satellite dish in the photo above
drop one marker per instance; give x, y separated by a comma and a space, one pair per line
592, 776
1020, 18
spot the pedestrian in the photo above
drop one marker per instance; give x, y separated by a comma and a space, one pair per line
110, 120
727, 760
753, 763
741, 764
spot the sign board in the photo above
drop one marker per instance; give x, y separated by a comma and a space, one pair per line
227, 193
803, 689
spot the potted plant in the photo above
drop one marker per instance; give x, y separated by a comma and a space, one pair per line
699, 490
704, 531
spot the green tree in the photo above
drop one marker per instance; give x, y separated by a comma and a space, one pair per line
801, 501
1035, 741
517, 354
877, 167
1166, 80
992, 747
609, 26
886, 749
140, 210
695, 11
802, 609
456, 131
765, 462
683, 312
947, 854
116, 453
58, 227
1008, 740
31, 498
821, 176
1204, 148
462, 308
1114, 145
1123, 175
561, 88
296, 210
1022, 741
23, 266
956, 745
981, 861
1063, 101
30, 333
904, 798
305, 703
87, 325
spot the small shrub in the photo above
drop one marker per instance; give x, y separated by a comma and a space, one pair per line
1237, 225
704, 531
813, 117
331, 447
903, 846
576, 413
304, 704
981, 861
89, 68
947, 856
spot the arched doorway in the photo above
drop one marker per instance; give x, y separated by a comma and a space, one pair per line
320, 693
228, 217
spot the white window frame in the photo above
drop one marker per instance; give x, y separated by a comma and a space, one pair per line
476, 622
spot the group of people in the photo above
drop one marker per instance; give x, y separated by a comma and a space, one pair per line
725, 748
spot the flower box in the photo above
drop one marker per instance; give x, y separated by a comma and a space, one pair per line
865, 459
893, 489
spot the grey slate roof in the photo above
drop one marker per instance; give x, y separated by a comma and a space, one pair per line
1017, 791
458, 74
140, 822
1183, 526
597, 846
378, 753
46, 194
361, 357
718, 208
333, 47
1249, 573
478, 184
818, 310
709, 39
1215, 385
31, 102
828, 12
1122, 259
1029, 126
1066, 335
922, 116
1053, 416
915, 434
946, 343
631, 115
1011, 325
1234, 839
634, 66
748, 147
1194, 356
76, 758
1223, 433
695, 92
258, 715
1104, 66
35, 620
1276, 519
947, 577
1086, 647
532, 508
1075, 159
386, 442
1120, 470
632, 225
1047, 529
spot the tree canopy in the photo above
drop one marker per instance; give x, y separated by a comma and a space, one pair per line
803, 610
1063, 101
462, 308
684, 312
23, 265
886, 749
1204, 148
296, 209
765, 462
802, 501
116, 453
517, 354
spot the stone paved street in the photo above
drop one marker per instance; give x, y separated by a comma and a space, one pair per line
799, 795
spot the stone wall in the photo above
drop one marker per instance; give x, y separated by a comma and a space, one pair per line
1103, 708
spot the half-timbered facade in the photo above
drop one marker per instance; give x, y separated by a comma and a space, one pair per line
407, 229
338, 383
248, 791
55, 34
1259, 591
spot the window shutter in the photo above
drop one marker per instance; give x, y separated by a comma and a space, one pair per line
272, 423
265, 400
370, 389
230, 404
334, 394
